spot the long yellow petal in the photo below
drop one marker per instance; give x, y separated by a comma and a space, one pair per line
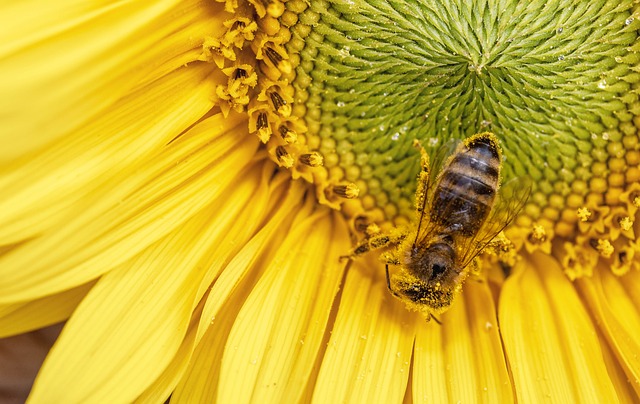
127, 330
369, 353
462, 360
200, 380
614, 303
162, 388
623, 385
42, 192
281, 325
23, 317
153, 202
73, 60
551, 344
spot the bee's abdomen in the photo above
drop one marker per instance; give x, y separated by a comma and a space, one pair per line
467, 188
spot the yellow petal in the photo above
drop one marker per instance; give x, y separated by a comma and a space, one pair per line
277, 334
41, 193
72, 60
623, 385
369, 353
130, 326
181, 181
186, 360
552, 346
200, 380
23, 317
462, 360
614, 302
162, 388
245, 262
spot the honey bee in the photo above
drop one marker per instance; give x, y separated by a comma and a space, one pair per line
460, 208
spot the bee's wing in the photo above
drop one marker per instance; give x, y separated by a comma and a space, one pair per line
435, 167
439, 160
512, 197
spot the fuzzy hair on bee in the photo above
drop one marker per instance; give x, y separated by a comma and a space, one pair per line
460, 207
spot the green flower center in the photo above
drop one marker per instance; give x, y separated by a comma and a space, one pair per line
556, 81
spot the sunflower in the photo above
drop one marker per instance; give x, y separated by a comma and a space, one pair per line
180, 179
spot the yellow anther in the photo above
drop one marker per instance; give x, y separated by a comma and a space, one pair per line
215, 51
348, 191
311, 159
626, 223
605, 248
584, 214
538, 233
283, 157
240, 30
259, 122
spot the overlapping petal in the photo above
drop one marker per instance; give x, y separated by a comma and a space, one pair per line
615, 304
368, 356
26, 316
137, 210
462, 360
73, 60
136, 316
550, 341
82, 169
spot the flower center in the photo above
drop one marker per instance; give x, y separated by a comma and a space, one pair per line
557, 82
350, 84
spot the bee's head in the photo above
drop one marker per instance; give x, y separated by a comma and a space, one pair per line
435, 263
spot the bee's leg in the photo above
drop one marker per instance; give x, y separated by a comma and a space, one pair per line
377, 242
360, 249
393, 292
423, 178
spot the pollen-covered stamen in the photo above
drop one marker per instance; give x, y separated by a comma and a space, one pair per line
230, 6
259, 121
283, 157
213, 50
273, 55
631, 199
626, 223
311, 159
348, 191
241, 79
595, 223
540, 238
260, 6
538, 235
624, 260
288, 135
614, 223
584, 214
240, 30
279, 104
227, 102
577, 260
275, 94
263, 126
603, 246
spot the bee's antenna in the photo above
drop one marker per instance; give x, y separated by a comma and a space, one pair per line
431, 316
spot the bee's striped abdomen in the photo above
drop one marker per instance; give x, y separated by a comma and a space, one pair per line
467, 187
